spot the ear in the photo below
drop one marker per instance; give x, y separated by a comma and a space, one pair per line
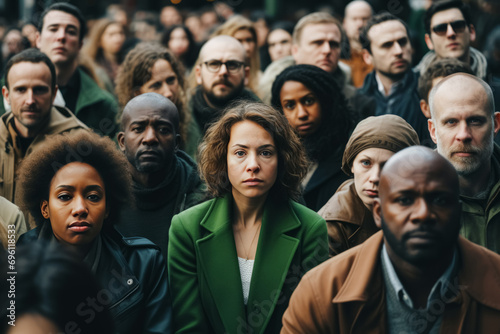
428, 41
472, 32
496, 122
367, 57
425, 108
198, 74
54, 93
5, 93
377, 212
37, 40
121, 140
432, 130
177, 142
44, 207
247, 75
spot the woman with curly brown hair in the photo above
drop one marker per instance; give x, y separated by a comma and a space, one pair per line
235, 260
74, 186
152, 68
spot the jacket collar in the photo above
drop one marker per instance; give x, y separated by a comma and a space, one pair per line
89, 94
218, 258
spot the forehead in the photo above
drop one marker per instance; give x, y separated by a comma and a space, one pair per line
447, 15
279, 34
387, 31
221, 50
29, 71
75, 172
414, 176
58, 17
148, 112
314, 31
461, 97
358, 10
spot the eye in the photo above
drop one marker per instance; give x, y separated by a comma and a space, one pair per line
404, 200
365, 163
137, 129
290, 105
20, 89
239, 153
64, 197
309, 100
171, 80
164, 130
450, 122
155, 85
40, 90
71, 32
267, 153
441, 200
476, 121
94, 197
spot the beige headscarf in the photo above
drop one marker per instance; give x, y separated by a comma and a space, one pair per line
389, 132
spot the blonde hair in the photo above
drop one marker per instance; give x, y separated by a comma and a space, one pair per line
313, 18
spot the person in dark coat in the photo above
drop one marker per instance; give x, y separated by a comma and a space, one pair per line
74, 186
315, 107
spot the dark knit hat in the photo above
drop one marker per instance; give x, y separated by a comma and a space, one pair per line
389, 132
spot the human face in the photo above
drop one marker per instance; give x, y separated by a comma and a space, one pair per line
463, 128
280, 44
163, 81
366, 170
452, 44
390, 50
222, 86
252, 161
246, 39
30, 96
150, 139
178, 42
76, 206
355, 18
59, 38
113, 38
319, 45
301, 108
419, 212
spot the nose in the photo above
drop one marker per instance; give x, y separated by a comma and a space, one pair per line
302, 113
325, 48
30, 97
149, 136
449, 31
166, 91
374, 174
464, 133
253, 163
79, 207
398, 50
421, 211
60, 33
223, 70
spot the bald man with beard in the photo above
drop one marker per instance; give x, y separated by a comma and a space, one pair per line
416, 275
165, 179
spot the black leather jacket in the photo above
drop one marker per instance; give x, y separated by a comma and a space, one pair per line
133, 277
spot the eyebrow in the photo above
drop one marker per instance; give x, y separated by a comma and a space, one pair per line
260, 147
87, 188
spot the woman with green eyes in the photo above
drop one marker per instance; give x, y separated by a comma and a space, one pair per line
235, 260
74, 186
348, 213
315, 107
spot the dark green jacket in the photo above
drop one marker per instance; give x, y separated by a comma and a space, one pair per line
481, 224
204, 273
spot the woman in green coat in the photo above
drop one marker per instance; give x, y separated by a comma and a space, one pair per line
235, 260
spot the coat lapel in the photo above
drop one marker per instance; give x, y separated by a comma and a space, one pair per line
275, 252
219, 263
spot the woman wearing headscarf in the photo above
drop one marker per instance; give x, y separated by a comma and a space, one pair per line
348, 213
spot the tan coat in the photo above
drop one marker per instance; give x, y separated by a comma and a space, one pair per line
346, 294
348, 220
61, 120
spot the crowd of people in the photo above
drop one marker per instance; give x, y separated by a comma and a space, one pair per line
229, 174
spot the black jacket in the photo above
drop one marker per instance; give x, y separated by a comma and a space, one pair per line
133, 277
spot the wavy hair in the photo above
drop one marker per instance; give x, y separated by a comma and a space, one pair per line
292, 160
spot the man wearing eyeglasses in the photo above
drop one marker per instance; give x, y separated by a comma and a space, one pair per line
449, 33
221, 75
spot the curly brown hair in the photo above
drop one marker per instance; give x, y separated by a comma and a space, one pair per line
135, 71
39, 168
292, 161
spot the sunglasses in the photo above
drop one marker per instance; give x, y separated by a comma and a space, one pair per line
457, 26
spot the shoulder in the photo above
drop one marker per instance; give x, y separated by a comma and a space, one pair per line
8, 210
197, 212
305, 215
91, 88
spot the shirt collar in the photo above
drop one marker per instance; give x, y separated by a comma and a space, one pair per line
381, 88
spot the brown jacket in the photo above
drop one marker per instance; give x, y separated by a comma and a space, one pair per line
346, 294
61, 120
348, 220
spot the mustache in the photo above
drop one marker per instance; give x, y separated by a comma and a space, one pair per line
149, 151
423, 230
224, 82
465, 148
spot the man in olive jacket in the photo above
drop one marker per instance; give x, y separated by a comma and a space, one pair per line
30, 89
414, 276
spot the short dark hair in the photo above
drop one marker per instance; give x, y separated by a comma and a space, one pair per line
440, 5
377, 19
440, 68
38, 169
31, 55
67, 8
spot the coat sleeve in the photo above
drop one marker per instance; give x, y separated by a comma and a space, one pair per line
189, 316
158, 309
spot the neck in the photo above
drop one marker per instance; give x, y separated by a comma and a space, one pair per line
387, 81
355, 45
149, 180
419, 280
25, 132
64, 72
210, 104
248, 212
109, 56
472, 184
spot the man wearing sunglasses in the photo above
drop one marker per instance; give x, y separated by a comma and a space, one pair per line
449, 33
221, 75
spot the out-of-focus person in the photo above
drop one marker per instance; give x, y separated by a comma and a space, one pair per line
180, 40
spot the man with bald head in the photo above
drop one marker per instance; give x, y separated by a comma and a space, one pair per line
463, 125
416, 275
356, 15
221, 75
165, 178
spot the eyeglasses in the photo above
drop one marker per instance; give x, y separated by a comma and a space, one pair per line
232, 66
457, 26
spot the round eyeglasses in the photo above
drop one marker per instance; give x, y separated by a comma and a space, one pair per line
232, 66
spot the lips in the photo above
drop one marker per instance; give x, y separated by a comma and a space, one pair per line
371, 192
304, 127
149, 154
252, 181
79, 226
